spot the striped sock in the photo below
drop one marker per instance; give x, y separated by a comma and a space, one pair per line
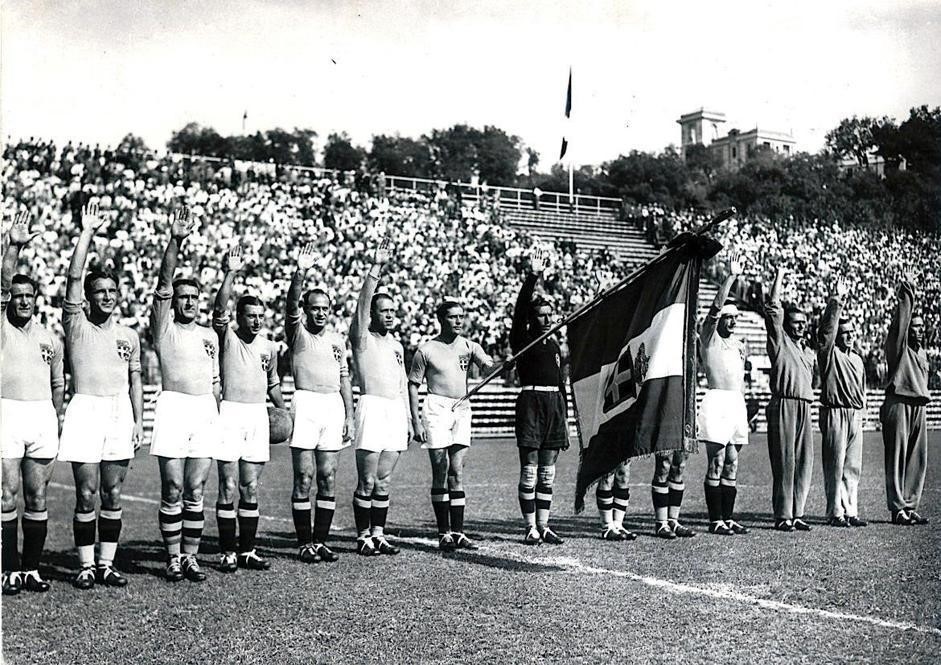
10, 535
171, 526
728, 489
378, 513
300, 513
109, 530
441, 503
35, 526
605, 501
621, 497
193, 520
83, 529
458, 502
713, 499
362, 506
528, 504
660, 493
225, 521
543, 505
323, 517
248, 525
676, 500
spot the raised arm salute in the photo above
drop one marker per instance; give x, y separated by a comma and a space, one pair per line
103, 425
32, 388
186, 421
248, 365
383, 427
322, 408
842, 404
904, 430
790, 437
541, 428
723, 420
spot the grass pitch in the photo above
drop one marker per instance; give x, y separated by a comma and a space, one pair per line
831, 595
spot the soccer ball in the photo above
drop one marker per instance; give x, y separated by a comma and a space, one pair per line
280, 425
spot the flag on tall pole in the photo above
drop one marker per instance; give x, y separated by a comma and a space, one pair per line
244, 118
568, 116
633, 365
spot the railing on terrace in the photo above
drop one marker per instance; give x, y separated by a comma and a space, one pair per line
511, 197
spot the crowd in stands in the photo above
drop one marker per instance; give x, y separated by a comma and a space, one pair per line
440, 247
815, 253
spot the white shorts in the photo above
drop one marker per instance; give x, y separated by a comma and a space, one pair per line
244, 432
381, 424
444, 427
185, 426
97, 429
318, 421
723, 418
28, 428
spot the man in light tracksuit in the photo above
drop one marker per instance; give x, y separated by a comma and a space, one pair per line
842, 405
904, 430
790, 434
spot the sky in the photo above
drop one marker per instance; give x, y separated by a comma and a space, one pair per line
94, 71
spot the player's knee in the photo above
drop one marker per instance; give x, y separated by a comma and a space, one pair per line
381, 486
172, 491
621, 476
546, 475
326, 482
8, 500
248, 490
302, 481
455, 477
366, 484
193, 494
528, 473
227, 489
111, 497
34, 500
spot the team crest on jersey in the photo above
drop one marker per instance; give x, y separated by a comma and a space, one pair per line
265, 361
337, 354
45, 350
464, 361
399, 359
124, 349
209, 347
626, 378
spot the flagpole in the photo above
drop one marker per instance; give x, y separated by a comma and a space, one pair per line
571, 183
581, 311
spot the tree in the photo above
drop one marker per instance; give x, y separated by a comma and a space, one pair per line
646, 178
195, 139
853, 137
498, 156
460, 152
402, 156
132, 144
919, 139
341, 154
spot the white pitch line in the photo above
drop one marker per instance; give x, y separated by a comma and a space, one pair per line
680, 588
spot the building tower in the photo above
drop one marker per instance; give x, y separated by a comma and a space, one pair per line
700, 126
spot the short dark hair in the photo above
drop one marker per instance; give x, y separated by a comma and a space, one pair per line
315, 292
791, 310
376, 298
96, 274
538, 301
246, 301
186, 281
442, 309
20, 278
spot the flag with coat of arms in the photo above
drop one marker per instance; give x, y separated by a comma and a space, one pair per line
633, 364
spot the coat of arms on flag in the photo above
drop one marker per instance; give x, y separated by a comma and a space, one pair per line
45, 350
124, 349
633, 365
